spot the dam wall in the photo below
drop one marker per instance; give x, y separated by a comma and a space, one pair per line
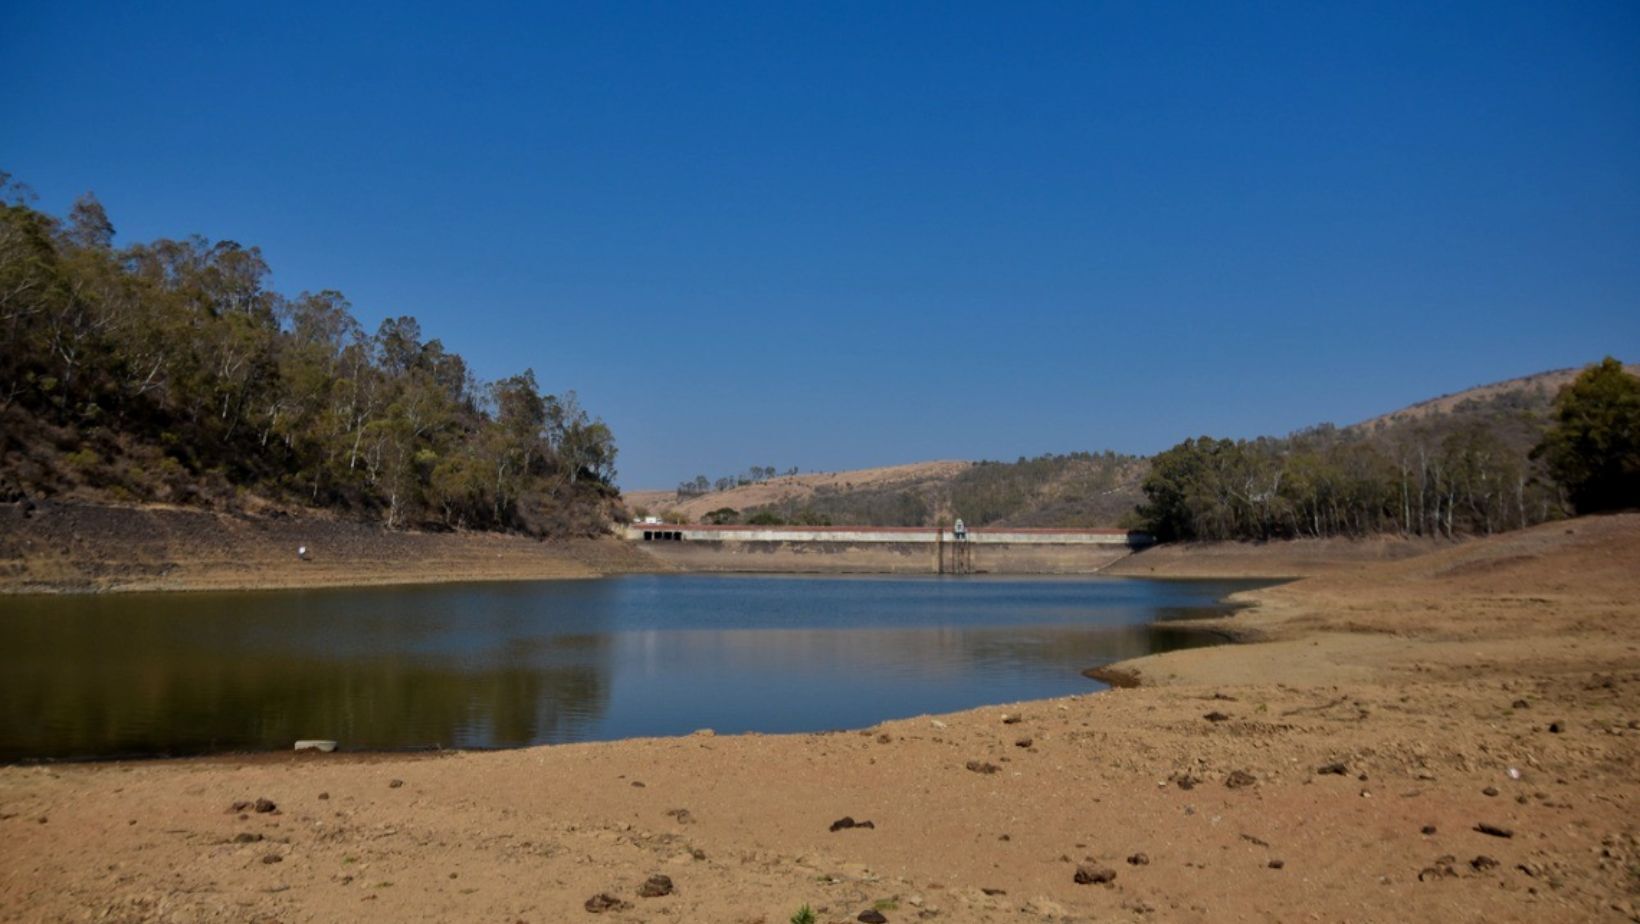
883, 550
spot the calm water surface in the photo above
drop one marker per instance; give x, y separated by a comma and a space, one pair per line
501, 665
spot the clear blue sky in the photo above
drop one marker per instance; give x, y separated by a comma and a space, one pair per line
845, 234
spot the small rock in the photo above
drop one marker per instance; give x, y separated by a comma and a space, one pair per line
1482, 863
604, 901
1024, 743
240, 806
1494, 830
846, 822
264, 806
1276, 864
1239, 779
637, 785
871, 916
1520, 704
246, 837
883, 739
994, 891
1490, 791
1556, 728
1096, 875
1187, 782
1427, 829
1139, 859
324, 796
272, 858
1333, 768
1216, 717
656, 886
394, 784
683, 815
1012, 719
1442, 869
316, 744
979, 766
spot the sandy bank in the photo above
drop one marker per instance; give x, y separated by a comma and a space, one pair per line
69, 548
1336, 770
1297, 558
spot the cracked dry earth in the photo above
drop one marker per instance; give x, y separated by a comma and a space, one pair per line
1444, 738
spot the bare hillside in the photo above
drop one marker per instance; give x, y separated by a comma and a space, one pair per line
797, 489
1103, 489
1076, 489
1537, 390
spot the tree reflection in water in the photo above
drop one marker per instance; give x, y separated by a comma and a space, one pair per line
502, 665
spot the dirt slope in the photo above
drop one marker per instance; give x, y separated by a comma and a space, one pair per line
1449, 737
86, 547
1292, 558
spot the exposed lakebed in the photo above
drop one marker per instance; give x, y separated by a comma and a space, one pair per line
510, 664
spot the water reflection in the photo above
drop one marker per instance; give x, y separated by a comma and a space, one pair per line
502, 665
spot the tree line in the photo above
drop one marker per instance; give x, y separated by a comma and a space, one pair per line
170, 371
701, 485
1507, 462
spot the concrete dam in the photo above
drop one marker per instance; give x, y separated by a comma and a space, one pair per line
885, 549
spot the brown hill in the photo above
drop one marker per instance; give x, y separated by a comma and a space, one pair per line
1084, 489
1076, 489
798, 489
1536, 391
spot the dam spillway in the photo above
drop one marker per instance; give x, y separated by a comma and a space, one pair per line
885, 549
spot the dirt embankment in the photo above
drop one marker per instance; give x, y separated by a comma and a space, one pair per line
1281, 559
72, 547
1453, 736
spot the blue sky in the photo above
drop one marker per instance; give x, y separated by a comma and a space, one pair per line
845, 234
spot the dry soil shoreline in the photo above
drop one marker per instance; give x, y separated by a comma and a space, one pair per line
85, 548
92, 548
1452, 736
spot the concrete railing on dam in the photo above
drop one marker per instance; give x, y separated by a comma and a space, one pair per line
885, 549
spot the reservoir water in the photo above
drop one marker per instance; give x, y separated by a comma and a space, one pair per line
510, 664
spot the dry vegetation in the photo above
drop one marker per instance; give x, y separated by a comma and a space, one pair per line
798, 489
1534, 390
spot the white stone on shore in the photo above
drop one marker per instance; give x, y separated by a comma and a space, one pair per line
316, 744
